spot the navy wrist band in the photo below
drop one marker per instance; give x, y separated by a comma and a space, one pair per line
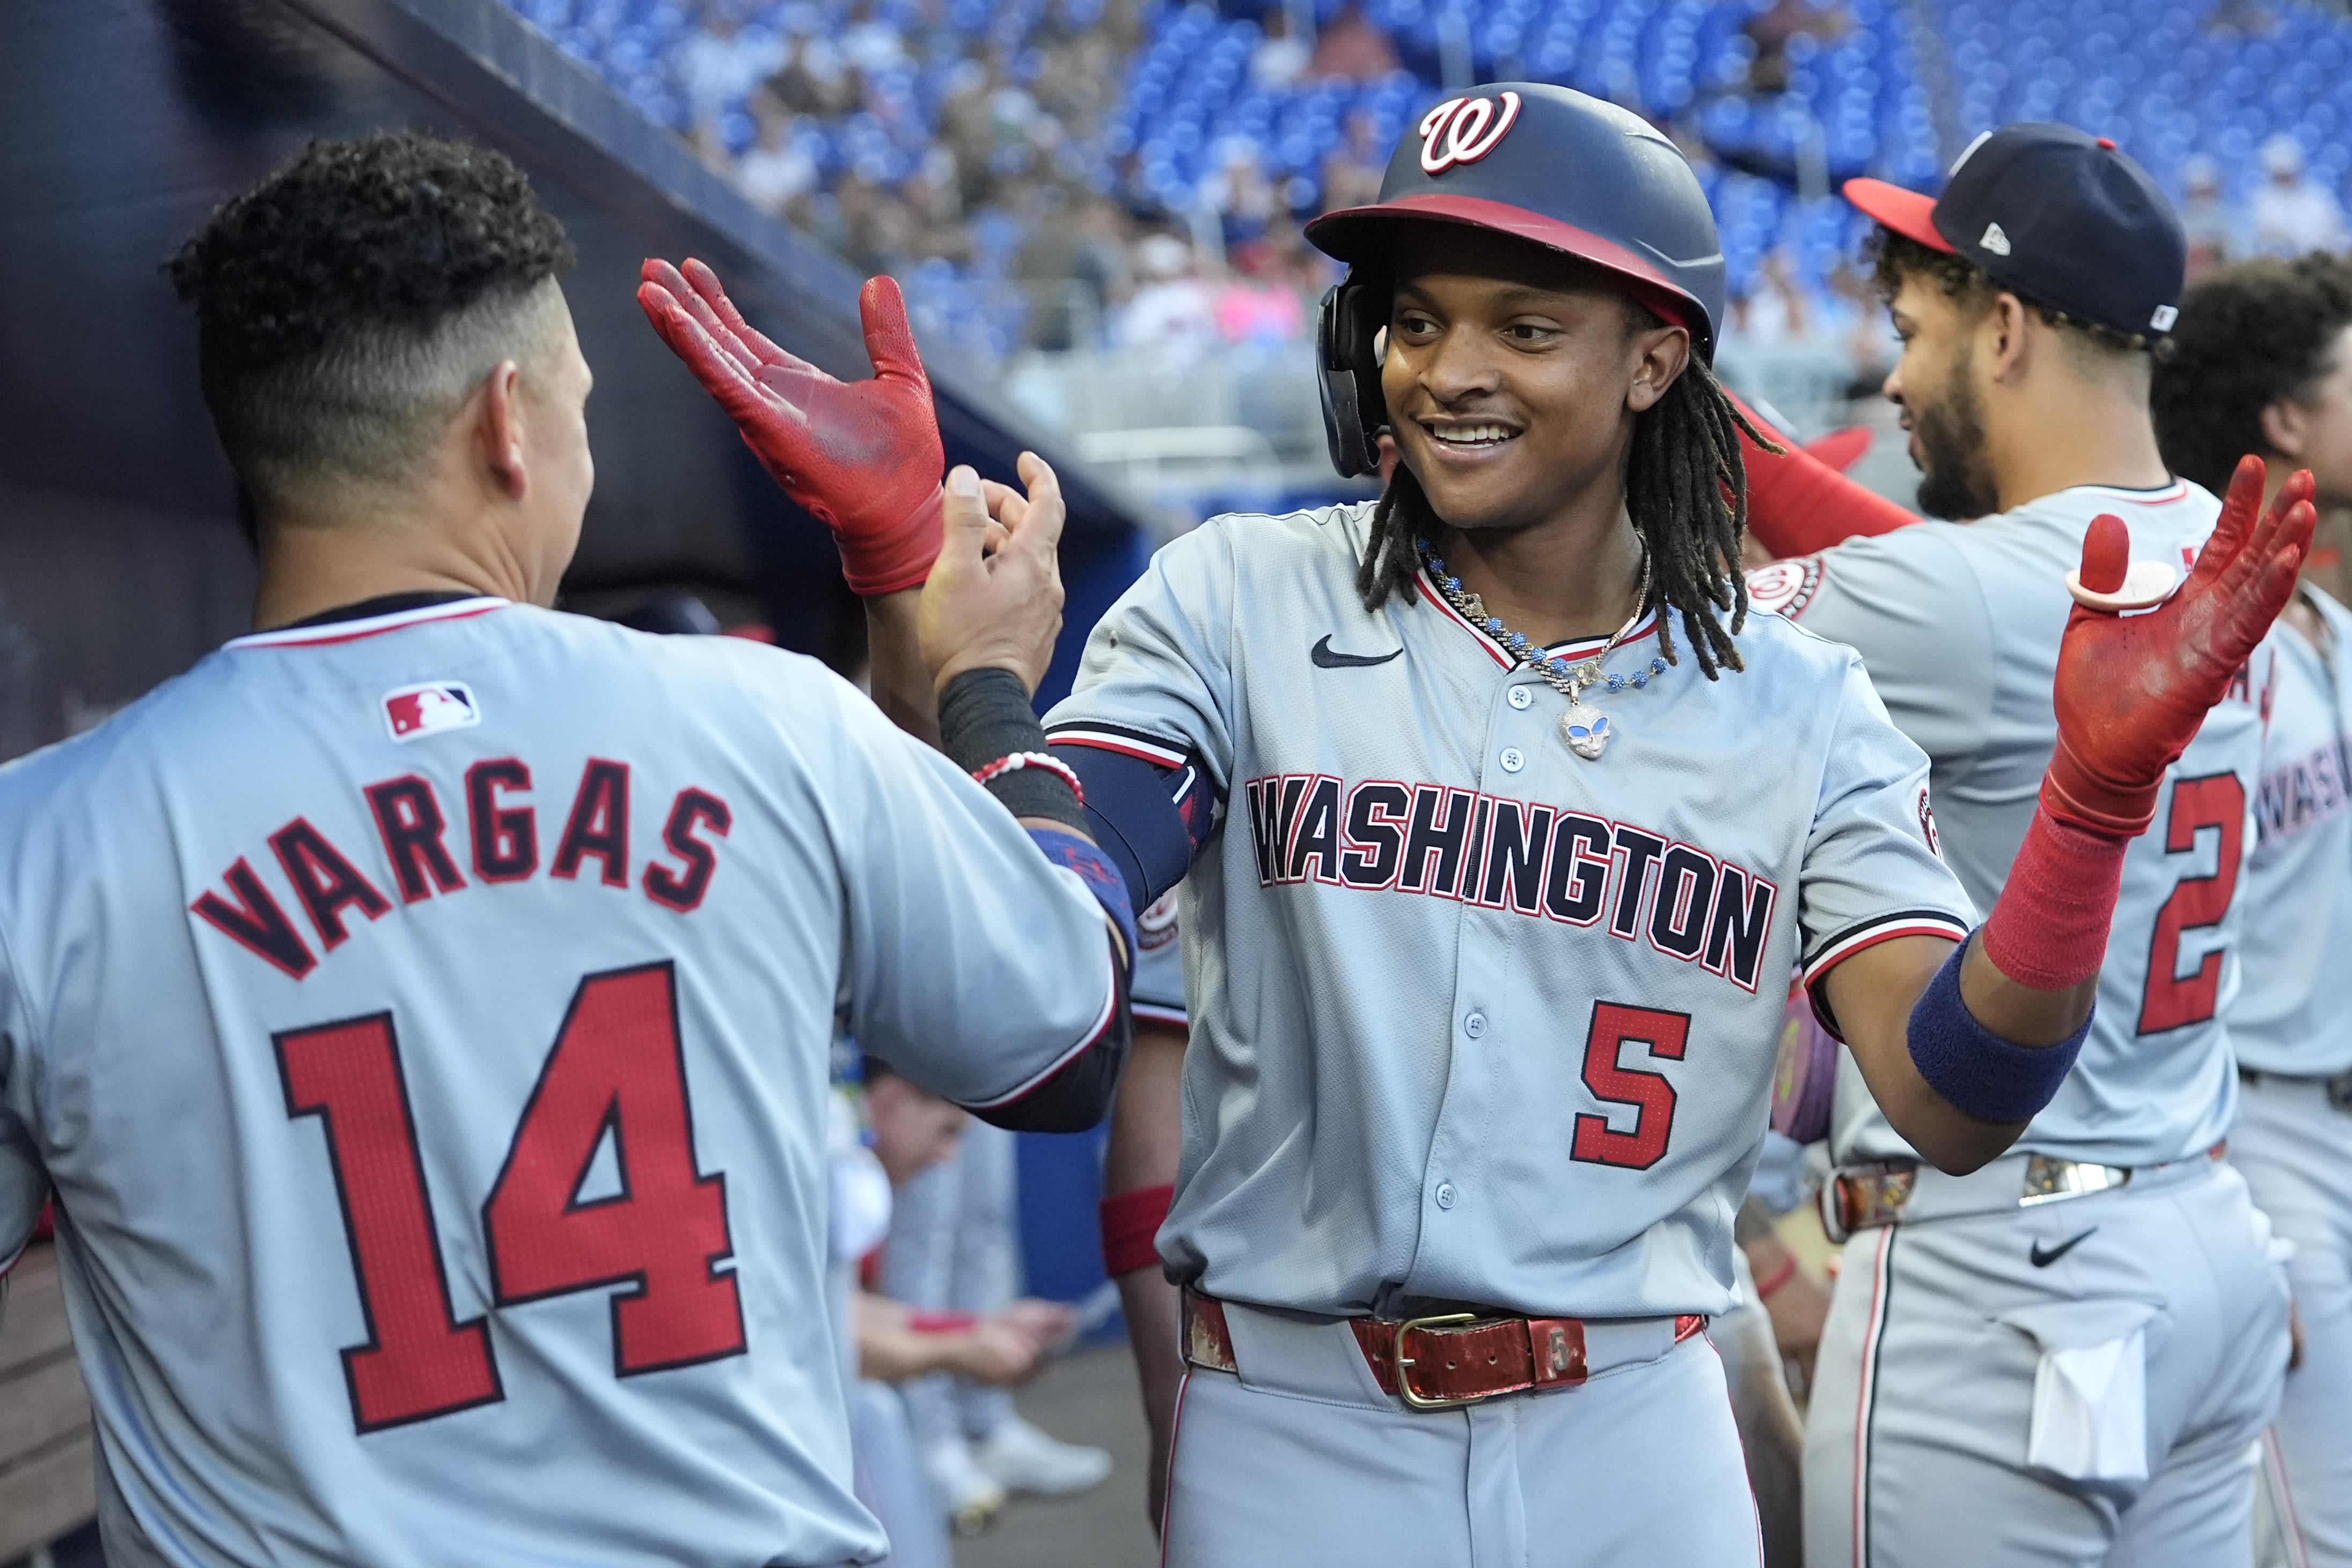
1975, 1069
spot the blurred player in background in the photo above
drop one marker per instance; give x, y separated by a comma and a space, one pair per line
2067, 1355
955, 1249
436, 1092
2261, 362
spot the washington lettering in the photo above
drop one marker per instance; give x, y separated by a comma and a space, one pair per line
1543, 861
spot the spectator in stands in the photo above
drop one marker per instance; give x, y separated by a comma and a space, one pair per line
1350, 46
1070, 265
2292, 213
812, 82
1173, 315
1256, 305
722, 61
775, 173
1352, 168
2205, 217
1238, 192
868, 42
1280, 56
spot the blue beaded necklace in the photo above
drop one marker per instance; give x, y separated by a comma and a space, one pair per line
1586, 732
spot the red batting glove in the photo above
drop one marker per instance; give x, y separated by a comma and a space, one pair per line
862, 457
2131, 691
1799, 505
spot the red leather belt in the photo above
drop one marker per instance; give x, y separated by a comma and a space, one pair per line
1435, 1363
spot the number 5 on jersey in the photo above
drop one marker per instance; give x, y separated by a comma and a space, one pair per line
615, 1070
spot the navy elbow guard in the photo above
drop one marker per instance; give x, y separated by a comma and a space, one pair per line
1974, 1069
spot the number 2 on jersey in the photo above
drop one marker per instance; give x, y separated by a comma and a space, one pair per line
2171, 998
615, 1071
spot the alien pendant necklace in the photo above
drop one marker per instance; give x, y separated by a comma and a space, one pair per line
1585, 730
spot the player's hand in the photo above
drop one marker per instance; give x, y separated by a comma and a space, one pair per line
999, 1352
2132, 690
994, 597
1053, 1325
862, 457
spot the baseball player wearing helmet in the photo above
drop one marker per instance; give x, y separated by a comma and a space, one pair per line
2262, 362
435, 1092
1490, 899
2065, 1356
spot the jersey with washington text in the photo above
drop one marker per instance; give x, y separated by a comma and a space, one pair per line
2291, 1013
1959, 626
1475, 1019
424, 1021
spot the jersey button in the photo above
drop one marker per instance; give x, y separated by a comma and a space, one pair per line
1520, 696
1513, 759
1445, 1195
1474, 1025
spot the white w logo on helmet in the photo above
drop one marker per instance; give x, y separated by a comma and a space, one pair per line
1464, 129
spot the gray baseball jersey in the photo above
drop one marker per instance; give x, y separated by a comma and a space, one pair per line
2290, 1016
1475, 1019
425, 1023
1959, 627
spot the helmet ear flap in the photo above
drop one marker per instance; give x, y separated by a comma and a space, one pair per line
1354, 411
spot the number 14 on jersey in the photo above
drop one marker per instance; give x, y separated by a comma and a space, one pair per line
615, 1071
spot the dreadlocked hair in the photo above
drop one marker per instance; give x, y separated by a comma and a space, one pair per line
1686, 491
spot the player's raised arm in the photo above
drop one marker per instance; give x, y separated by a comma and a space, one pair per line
1963, 1047
862, 457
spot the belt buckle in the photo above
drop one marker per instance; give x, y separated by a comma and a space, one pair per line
1872, 1195
1404, 1381
2049, 1181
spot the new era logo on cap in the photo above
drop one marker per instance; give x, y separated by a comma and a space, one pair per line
428, 707
1994, 240
2164, 318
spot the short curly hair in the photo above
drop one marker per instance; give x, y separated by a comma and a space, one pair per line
1897, 258
348, 304
2249, 335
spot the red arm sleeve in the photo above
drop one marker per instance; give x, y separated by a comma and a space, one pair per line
1799, 505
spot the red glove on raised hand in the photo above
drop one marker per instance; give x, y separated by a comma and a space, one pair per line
1799, 505
2131, 691
862, 457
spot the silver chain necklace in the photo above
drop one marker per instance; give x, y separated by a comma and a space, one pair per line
1586, 732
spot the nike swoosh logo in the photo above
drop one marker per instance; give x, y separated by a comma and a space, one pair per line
1325, 659
2044, 1259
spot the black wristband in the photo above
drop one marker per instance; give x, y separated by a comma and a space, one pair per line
984, 715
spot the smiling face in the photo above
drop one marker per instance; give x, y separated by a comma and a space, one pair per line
1514, 374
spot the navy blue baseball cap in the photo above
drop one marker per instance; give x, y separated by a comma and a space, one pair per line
2057, 216
1570, 173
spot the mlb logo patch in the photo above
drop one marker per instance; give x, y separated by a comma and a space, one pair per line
413, 713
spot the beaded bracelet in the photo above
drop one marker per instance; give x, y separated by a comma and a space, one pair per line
1020, 760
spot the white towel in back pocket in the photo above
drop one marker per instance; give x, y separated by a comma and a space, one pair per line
2090, 1390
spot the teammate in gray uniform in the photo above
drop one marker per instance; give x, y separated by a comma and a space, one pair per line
2262, 362
421, 1008
2065, 1356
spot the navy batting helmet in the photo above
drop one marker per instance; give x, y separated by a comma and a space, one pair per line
1546, 163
